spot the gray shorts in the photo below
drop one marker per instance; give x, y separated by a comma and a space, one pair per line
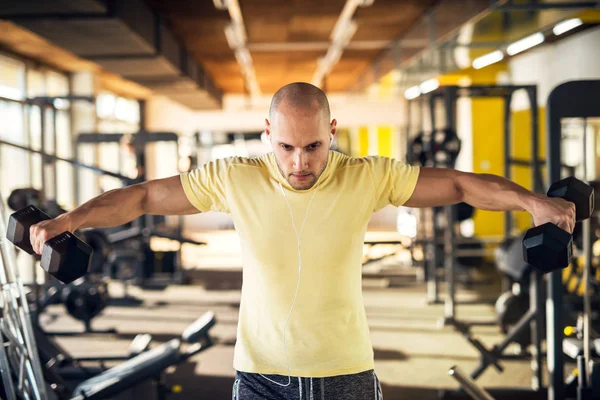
362, 386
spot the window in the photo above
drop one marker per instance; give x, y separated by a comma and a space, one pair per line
116, 115
22, 124
12, 87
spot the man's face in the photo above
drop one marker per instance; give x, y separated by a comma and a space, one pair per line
300, 139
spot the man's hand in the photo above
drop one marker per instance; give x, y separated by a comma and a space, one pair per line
558, 211
46, 230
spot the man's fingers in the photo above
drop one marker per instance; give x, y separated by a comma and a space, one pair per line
38, 238
33, 234
38, 245
564, 224
570, 223
42, 237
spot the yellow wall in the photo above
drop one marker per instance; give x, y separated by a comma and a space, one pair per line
488, 156
488, 150
363, 141
384, 141
488, 144
521, 123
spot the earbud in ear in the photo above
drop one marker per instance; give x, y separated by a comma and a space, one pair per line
331, 140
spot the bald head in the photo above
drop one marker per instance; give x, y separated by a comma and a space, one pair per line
300, 133
300, 95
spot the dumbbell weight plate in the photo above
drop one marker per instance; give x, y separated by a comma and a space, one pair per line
547, 247
18, 227
85, 301
577, 192
21, 198
66, 257
419, 153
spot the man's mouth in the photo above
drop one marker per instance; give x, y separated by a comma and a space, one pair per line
301, 176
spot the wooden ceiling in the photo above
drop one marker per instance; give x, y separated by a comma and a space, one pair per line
21, 41
286, 37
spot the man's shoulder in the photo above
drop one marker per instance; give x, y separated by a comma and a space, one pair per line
243, 162
343, 160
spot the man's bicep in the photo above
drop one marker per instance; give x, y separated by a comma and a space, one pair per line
435, 187
167, 197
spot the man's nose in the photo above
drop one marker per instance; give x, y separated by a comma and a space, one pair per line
300, 160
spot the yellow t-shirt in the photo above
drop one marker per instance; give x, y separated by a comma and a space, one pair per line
327, 334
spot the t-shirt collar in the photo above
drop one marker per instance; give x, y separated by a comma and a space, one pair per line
280, 178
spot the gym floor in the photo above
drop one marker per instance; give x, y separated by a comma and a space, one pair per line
412, 353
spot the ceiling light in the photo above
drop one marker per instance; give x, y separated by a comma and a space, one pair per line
566, 26
412, 93
525, 43
429, 85
488, 59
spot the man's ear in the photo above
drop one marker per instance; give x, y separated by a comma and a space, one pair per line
333, 127
268, 133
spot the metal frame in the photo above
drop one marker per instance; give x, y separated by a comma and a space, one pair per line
78, 164
468, 384
450, 95
576, 99
19, 353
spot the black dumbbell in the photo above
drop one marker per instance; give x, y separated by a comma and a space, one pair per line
547, 247
65, 256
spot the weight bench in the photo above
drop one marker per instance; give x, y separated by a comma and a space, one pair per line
148, 365
53, 355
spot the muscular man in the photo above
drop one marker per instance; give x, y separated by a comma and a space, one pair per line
301, 212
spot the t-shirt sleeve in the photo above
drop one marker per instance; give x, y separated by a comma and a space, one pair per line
394, 181
205, 187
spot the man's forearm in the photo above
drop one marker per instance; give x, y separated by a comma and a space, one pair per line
495, 193
113, 208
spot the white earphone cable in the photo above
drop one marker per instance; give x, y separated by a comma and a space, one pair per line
298, 236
